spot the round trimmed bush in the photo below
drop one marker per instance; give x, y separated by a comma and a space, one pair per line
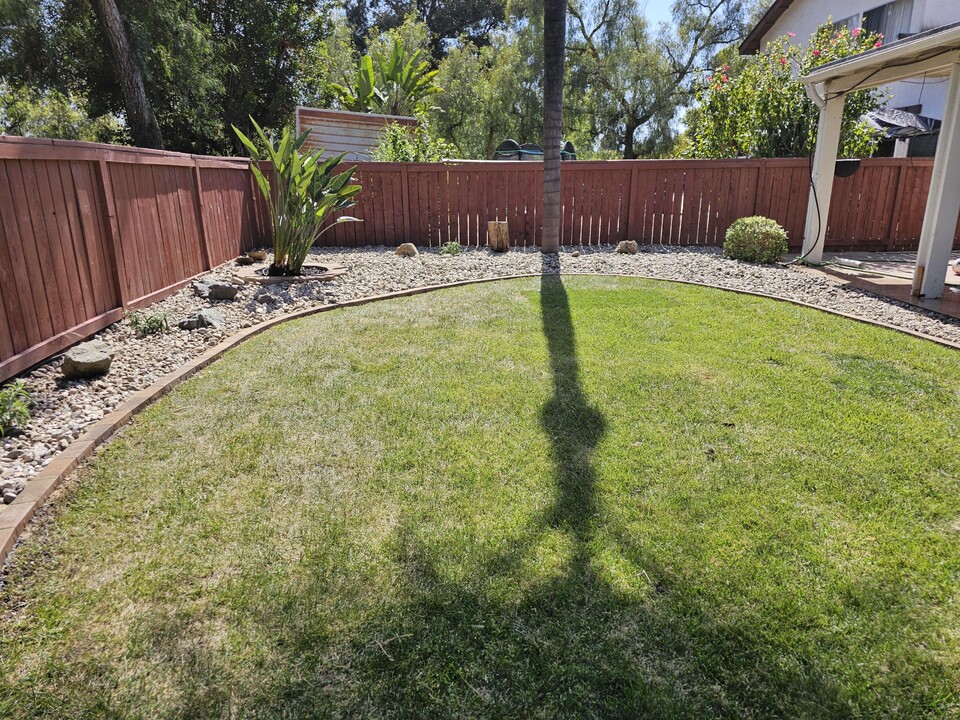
755, 239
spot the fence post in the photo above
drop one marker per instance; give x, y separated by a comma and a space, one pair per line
892, 225
198, 206
114, 246
405, 201
761, 178
632, 200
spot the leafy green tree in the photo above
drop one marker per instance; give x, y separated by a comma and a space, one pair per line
206, 64
50, 113
445, 20
490, 94
631, 78
759, 108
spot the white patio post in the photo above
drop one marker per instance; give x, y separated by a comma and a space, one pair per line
943, 201
824, 164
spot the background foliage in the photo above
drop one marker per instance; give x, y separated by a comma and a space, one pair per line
634, 88
757, 107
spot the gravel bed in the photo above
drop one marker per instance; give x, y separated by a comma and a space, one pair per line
65, 408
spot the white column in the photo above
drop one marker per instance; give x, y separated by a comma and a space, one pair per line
824, 164
943, 202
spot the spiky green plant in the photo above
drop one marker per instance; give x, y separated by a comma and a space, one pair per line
405, 81
301, 191
149, 323
364, 96
14, 406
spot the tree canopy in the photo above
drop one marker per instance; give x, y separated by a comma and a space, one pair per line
210, 64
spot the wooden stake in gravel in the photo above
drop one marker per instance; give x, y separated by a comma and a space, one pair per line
499, 235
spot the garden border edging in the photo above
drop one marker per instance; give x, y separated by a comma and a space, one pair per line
15, 516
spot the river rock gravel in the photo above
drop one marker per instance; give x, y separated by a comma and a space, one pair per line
64, 408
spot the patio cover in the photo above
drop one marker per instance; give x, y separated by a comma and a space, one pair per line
932, 53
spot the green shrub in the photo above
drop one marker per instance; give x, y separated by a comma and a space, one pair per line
450, 248
400, 143
145, 323
14, 406
755, 239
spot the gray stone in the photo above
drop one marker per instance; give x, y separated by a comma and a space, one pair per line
575, 253
40, 451
407, 250
86, 360
264, 296
14, 454
202, 288
9, 496
202, 319
222, 291
628, 247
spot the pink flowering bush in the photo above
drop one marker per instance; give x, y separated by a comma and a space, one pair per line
759, 108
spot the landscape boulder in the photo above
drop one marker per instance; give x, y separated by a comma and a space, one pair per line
628, 247
86, 360
202, 319
408, 250
202, 288
222, 291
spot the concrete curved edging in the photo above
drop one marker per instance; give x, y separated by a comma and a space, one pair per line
15, 516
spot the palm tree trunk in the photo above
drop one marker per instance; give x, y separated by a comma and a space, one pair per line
140, 117
554, 38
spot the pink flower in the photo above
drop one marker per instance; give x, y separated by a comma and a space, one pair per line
725, 68
880, 35
790, 34
855, 32
816, 53
709, 78
783, 61
878, 43
723, 78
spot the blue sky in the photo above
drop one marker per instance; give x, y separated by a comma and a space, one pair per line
658, 11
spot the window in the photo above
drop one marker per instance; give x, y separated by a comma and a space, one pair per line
891, 20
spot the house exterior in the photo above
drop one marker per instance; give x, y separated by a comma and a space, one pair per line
894, 19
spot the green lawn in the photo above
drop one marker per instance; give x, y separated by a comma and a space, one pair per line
593, 497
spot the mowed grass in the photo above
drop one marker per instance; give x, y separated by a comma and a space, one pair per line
576, 498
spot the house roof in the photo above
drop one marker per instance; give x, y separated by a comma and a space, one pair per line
929, 53
751, 43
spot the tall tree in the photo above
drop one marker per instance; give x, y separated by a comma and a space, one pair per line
635, 77
447, 20
554, 39
140, 117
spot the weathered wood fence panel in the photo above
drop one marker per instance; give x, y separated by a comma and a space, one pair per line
669, 202
89, 231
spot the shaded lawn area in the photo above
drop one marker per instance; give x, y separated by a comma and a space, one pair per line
587, 497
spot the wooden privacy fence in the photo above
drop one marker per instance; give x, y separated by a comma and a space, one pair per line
89, 231
669, 202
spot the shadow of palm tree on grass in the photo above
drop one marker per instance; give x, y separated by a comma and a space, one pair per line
567, 646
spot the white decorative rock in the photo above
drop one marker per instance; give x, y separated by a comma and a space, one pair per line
956, 267
202, 319
628, 247
86, 360
407, 250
